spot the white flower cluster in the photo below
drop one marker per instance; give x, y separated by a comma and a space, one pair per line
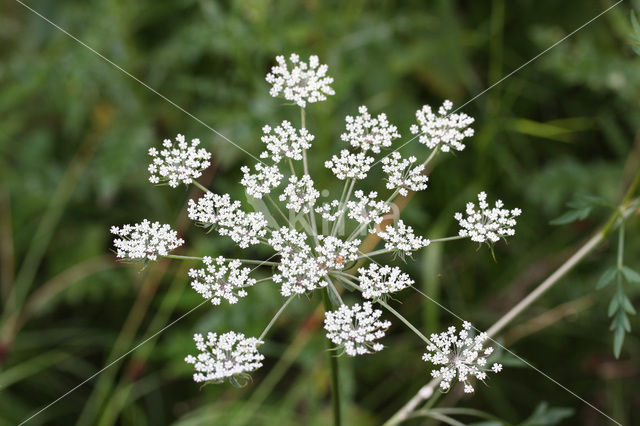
356, 329
285, 141
485, 224
349, 165
221, 280
377, 281
330, 211
213, 210
443, 129
179, 163
298, 270
367, 209
402, 175
369, 133
460, 356
145, 240
299, 274
304, 83
225, 356
300, 194
263, 181
400, 238
333, 253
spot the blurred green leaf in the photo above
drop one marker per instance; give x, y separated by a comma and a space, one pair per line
545, 415
631, 275
607, 277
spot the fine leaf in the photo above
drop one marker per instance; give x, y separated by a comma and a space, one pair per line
571, 216
626, 303
618, 340
635, 25
607, 277
580, 208
631, 275
613, 306
545, 415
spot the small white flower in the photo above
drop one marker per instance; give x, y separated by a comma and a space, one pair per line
287, 241
442, 129
460, 356
402, 174
330, 211
285, 141
226, 356
367, 209
145, 240
400, 238
249, 229
179, 163
378, 281
349, 165
356, 329
334, 253
485, 224
369, 133
221, 280
263, 181
300, 194
218, 211
213, 209
304, 83
299, 273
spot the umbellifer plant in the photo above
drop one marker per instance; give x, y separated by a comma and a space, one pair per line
317, 246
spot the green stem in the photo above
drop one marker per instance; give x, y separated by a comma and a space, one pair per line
338, 222
278, 209
199, 185
275, 317
333, 365
304, 151
620, 246
251, 261
340, 206
405, 321
608, 227
431, 156
441, 240
293, 169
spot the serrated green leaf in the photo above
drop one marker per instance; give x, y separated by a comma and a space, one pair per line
613, 306
607, 277
636, 49
631, 275
618, 340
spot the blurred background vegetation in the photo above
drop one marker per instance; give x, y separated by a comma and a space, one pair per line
74, 132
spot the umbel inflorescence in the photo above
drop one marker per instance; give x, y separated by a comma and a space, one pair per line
315, 242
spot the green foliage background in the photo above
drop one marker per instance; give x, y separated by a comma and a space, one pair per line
74, 132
